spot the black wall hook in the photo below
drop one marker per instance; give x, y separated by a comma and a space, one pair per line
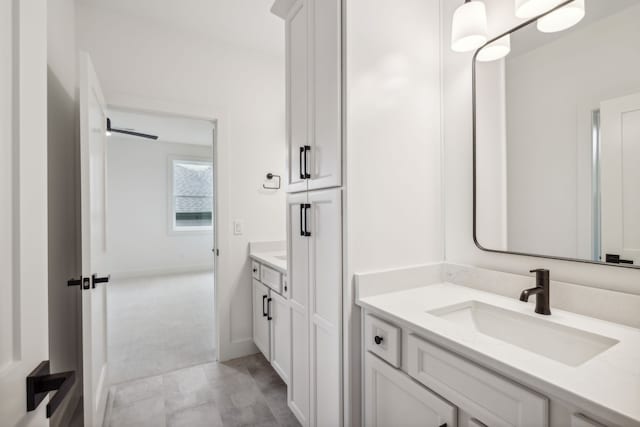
270, 176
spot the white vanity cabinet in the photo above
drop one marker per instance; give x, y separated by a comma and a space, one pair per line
313, 55
261, 328
271, 320
410, 380
314, 230
394, 399
279, 333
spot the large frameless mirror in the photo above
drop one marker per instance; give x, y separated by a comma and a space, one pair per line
557, 140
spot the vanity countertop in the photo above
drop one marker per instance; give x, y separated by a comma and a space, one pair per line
274, 259
609, 381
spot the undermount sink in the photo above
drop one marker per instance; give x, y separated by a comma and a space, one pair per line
564, 344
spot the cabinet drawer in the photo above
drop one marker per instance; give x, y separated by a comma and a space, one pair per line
488, 397
383, 339
271, 278
255, 269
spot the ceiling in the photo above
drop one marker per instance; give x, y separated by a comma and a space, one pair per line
168, 128
530, 38
245, 23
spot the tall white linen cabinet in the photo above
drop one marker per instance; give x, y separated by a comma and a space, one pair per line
314, 207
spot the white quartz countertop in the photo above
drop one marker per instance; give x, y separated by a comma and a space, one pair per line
273, 259
609, 382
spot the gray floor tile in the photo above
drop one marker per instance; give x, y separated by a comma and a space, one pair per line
242, 392
258, 414
206, 415
149, 412
134, 391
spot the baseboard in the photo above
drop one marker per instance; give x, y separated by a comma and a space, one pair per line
133, 274
236, 349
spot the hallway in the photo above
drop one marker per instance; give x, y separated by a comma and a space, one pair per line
160, 324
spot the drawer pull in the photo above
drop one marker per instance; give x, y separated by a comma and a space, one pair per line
378, 339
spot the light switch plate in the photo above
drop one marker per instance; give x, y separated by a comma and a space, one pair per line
237, 227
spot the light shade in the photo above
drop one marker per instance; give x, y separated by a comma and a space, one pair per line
532, 8
469, 27
563, 18
495, 50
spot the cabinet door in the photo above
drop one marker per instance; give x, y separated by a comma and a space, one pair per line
280, 347
296, 28
325, 79
394, 399
298, 283
260, 322
325, 304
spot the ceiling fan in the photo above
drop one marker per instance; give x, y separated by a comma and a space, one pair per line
128, 132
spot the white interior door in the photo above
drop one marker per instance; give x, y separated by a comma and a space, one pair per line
93, 192
24, 328
620, 175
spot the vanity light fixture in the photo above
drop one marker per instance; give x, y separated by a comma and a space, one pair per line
562, 18
495, 50
469, 27
531, 8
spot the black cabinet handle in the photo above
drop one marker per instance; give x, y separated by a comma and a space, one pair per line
40, 382
301, 216
302, 170
264, 312
269, 309
378, 339
307, 149
307, 233
255, 270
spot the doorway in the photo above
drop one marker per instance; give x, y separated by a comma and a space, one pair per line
160, 231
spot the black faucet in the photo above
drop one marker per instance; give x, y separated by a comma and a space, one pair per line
541, 291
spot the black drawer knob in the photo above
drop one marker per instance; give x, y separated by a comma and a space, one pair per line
378, 339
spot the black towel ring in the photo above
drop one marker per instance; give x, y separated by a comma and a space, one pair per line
270, 176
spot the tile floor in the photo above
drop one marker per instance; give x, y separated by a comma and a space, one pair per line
241, 392
159, 324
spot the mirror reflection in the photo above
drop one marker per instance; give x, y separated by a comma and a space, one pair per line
558, 140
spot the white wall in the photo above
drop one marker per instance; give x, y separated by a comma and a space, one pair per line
139, 241
460, 247
63, 210
550, 130
7, 117
156, 67
393, 149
